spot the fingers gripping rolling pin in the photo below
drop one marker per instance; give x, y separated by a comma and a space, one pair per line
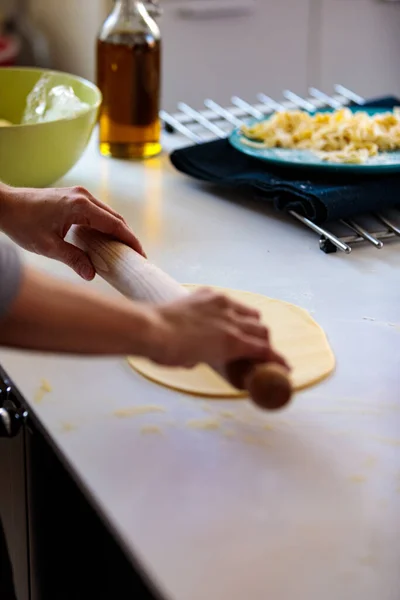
136, 278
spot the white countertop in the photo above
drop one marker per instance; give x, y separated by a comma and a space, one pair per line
302, 504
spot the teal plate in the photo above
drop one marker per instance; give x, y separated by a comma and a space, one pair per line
382, 163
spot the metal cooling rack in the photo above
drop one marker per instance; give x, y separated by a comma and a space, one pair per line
216, 121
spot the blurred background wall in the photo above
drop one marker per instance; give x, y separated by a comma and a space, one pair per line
221, 47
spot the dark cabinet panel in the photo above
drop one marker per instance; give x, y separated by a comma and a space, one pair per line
13, 511
73, 556
57, 544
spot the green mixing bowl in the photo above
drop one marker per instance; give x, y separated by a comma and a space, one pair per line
38, 155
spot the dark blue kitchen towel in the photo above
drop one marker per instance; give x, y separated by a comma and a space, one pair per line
320, 197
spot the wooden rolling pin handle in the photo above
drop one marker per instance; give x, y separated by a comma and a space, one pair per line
268, 384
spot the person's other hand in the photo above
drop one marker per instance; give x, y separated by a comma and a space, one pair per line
39, 219
209, 327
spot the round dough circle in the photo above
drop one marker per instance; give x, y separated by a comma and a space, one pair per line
294, 334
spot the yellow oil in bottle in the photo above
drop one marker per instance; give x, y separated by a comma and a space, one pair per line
128, 75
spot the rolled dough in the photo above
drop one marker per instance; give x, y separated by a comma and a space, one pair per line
294, 334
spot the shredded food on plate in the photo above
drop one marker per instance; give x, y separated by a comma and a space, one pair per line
341, 136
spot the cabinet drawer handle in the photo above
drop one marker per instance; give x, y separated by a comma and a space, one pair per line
12, 417
199, 9
12, 420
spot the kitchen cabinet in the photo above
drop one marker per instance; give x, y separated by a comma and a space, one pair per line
58, 546
13, 510
211, 47
359, 46
217, 48
221, 48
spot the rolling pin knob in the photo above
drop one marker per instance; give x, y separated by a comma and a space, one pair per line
268, 384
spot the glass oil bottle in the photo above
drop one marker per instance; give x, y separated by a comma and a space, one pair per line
129, 77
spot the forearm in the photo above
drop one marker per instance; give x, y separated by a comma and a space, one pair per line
52, 315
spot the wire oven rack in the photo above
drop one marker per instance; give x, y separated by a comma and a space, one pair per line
217, 121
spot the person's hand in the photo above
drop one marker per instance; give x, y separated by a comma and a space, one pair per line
209, 327
39, 219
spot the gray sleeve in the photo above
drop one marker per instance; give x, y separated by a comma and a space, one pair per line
10, 275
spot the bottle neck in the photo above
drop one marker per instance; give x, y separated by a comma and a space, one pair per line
126, 6
129, 16
134, 7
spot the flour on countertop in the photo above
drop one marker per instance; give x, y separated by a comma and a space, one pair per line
206, 424
45, 388
150, 429
268, 427
255, 441
227, 414
386, 441
136, 411
358, 478
67, 427
369, 560
370, 462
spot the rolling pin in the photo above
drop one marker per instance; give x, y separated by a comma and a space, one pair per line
136, 278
